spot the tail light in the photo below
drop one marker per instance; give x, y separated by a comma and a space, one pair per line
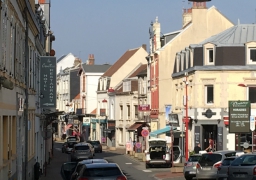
254, 171
121, 178
219, 168
198, 166
82, 178
217, 165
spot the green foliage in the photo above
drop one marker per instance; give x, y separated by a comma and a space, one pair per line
192, 153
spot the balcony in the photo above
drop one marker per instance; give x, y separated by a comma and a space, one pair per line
80, 111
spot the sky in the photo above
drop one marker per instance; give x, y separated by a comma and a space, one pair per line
108, 28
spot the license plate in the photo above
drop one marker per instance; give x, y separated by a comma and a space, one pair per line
83, 153
240, 175
192, 172
206, 168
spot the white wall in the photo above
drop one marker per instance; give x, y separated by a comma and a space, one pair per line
67, 61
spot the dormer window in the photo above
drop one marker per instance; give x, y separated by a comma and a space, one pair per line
250, 52
209, 56
126, 86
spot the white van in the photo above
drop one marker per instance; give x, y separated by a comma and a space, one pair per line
158, 153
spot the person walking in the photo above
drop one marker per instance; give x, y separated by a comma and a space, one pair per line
197, 148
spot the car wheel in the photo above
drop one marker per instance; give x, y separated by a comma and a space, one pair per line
147, 166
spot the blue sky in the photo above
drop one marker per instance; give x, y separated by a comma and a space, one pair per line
108, 28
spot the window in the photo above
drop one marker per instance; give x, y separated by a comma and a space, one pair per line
121, 112
209, 94
136, 111
121, 136
128, 111
209, 56
252, 94
252, 54
126, 86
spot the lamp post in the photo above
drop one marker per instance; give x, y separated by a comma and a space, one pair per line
186, 119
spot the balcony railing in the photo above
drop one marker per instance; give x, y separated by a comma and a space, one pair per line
80, 111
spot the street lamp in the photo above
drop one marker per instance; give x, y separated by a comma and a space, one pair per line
186, 119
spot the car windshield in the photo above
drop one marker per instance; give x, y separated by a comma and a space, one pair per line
210, 159
246, 160
101, 172
227, 162
81, 147
193, 158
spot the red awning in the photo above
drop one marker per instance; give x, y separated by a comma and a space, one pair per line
135, 126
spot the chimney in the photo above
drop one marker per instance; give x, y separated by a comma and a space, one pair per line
90, 59
199, 5
186, 17
144, 46
77, 61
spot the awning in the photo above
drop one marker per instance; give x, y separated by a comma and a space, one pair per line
161, 131
135, 126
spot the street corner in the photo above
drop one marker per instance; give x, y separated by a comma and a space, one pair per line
167, 175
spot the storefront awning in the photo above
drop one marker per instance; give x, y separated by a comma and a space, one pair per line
161, 131
135, 126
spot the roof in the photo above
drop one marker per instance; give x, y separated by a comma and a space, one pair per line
88, 161
137, 71
94, 111
77, 96
95, 68
235, 36
101, 165
122, 60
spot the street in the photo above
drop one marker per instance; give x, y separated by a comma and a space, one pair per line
133, 169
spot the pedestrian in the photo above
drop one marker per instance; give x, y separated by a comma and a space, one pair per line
210, 147
197, 148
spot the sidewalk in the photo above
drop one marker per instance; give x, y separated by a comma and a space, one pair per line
53, 169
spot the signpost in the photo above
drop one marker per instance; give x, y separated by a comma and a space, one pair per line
252, 127
239, 116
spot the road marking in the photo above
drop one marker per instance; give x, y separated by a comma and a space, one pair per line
58, 149
147, 170
128, 163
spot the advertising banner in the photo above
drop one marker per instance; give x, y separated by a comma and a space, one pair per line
239, 116
48, 81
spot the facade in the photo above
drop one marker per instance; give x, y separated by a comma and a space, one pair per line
126, 109
24, 34
89, 74
217, 68
198, 24
108, 82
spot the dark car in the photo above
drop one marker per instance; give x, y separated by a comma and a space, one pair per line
101, 171
222, 173
80, 164
97, 146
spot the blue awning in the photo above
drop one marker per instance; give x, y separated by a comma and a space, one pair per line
161, 131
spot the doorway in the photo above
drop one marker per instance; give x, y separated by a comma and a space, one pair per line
209, 131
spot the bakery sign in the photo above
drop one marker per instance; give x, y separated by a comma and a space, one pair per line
48, 81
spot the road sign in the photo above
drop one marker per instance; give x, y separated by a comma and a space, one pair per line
138, 145
252, 123
144, 132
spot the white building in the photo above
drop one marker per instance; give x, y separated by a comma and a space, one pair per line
65, 61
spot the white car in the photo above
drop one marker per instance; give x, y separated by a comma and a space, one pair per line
158, 153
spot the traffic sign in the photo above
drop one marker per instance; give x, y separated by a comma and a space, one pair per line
138, 145
144, 132
252, 123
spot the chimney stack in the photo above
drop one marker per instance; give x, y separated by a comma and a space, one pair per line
144, 46
90, 59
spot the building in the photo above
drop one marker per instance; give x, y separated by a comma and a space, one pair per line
65, 61
216, 69
128, 123
199, 22
25, 36
104, 122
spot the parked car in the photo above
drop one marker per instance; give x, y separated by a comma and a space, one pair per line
82, 151
243, 167
208, 164
80, 164
176, 154
189, 170
97, 146
101, 171
69, 144
157, 153
67, 169
222, 173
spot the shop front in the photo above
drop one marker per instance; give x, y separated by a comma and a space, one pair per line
111, 133
100, 126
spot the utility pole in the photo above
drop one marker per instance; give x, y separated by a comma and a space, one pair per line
186, 120
26, 94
